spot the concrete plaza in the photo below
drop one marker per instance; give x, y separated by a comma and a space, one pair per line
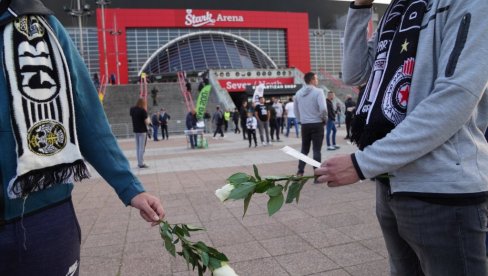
330, 232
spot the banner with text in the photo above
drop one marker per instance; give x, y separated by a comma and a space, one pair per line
202, 101
239, 85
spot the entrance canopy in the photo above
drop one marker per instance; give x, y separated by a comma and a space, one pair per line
206, 50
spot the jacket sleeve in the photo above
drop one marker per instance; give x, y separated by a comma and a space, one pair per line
97, 143
322, 105
453, 99
359, 52
296, 109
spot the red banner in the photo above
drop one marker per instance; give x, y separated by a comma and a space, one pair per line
239, 85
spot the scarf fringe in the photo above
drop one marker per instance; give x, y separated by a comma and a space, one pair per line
37, 180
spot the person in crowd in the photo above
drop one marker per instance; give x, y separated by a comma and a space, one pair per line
272, 124
331, 128
188, 86
243, 115
419, 127
290, 117
262, 114
206, 119
310, 109
154, 96
155, 122
350, 106
113, 79
164, 117
218, 120
235, 119
39, 232
140, 122
96, 81
278, 107
338, 111
251, 126
191, 124
226, 120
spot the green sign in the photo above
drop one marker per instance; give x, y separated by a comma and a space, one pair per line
202, 101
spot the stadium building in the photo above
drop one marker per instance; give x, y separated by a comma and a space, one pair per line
162, 37
240, 43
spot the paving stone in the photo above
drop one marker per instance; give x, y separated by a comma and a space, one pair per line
376, 268
244, 251
340, 220
111, 251
362, 231
305, 263
304, 225
339, 272
325, 238
115, 238
377, 245
350, 254
269, 231
285, 245
261, 267
145, 267
96, 266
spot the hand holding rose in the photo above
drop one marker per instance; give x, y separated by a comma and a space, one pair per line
337, 171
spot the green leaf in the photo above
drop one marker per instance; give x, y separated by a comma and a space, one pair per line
293, 191
178, 231
302, 183
242, 190
256, 173
214, 263
276, 178
170, 247
238, 178
275, 203
263, 185
186, 255
165, 231
275, 191
205, 258
193, 228
246, 204
201, 245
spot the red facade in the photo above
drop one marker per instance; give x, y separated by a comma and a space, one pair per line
294, 24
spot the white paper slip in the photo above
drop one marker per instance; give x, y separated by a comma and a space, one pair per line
298, 155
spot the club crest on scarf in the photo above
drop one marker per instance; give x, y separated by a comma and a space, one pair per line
383, 104
46, 138
43, 115
29, 26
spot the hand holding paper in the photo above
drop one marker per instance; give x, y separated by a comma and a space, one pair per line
298, 155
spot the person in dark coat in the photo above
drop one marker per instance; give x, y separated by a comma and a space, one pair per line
191, 124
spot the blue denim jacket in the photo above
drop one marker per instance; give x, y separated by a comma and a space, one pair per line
97, 144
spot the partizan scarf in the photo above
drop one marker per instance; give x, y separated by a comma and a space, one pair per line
42, 110
383, 104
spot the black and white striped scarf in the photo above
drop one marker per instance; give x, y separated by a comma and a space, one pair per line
383, 103
42, 109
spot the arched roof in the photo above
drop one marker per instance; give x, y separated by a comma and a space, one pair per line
206, 50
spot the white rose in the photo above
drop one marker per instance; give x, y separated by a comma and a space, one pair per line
224, 192
224, 270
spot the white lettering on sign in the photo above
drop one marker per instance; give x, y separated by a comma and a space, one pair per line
208, 19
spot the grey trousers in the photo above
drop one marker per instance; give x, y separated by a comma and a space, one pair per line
423, 238
264, 125
140, 147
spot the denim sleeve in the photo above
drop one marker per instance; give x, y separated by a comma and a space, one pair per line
97, 143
